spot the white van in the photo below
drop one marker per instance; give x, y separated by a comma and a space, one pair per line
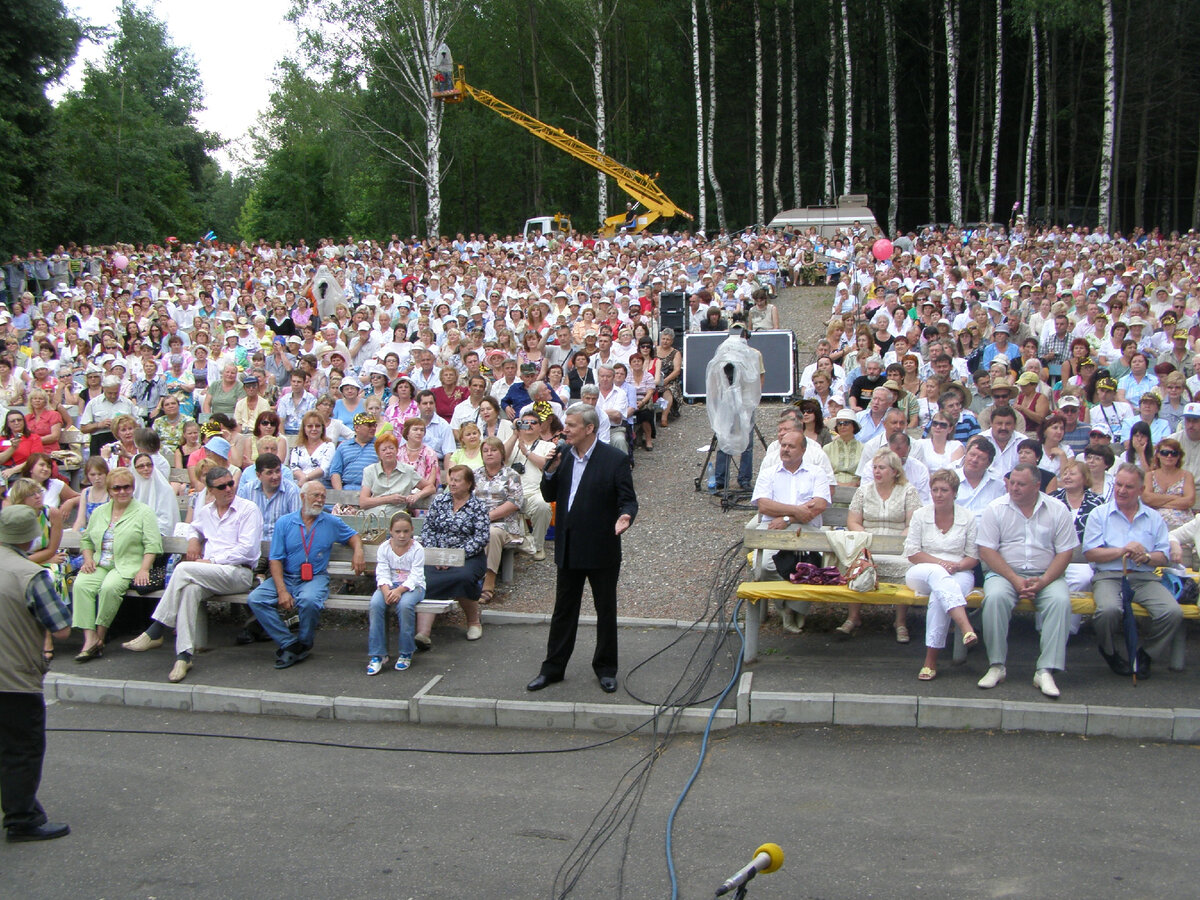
851, 211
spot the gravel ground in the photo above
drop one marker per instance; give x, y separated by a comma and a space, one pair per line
670, 553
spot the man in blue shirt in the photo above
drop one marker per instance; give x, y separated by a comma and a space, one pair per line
274, 495
352, 457
517, 397
1125, 538
299, 582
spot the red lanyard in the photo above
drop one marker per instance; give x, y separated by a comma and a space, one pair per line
307, 543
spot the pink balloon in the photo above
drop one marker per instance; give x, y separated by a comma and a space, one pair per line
882, 249
121, 261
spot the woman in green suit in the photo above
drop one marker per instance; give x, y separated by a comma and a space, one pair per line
119, 544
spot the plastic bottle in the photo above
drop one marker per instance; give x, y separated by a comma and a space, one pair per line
711, 476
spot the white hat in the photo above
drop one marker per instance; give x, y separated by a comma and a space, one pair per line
1192, 411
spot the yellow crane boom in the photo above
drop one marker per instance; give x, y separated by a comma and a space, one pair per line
636, 184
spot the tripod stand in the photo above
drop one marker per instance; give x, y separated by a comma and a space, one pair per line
730, 499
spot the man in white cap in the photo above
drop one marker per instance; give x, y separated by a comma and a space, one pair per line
364, 345
29, 607
1188, 436
1076, 433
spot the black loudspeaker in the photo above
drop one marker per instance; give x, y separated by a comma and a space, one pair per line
672, 311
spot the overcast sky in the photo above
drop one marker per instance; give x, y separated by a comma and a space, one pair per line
235, 43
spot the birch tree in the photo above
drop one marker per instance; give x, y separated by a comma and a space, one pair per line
997, 97
1035, 66
702, 194
795, 123
847, 100
391, 47
778, 162
830, 78
889, 30
933, 95
759, 187
718, 194
1107, 140
953, 159
594, 18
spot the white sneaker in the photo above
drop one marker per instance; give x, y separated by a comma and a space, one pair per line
993, 676
793, 622
474, 632
1044, 682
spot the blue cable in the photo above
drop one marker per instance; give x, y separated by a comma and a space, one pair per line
737, 671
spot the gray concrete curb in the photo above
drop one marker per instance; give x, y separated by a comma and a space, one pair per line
752, 707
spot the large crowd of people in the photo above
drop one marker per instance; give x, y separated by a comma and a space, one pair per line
432, 378
1024, 408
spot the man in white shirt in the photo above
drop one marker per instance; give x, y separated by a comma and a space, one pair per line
1004, 436
590, 394
1026, 540
894, 422
613, 402
224, 548
508, 377
915, 471
793, 493
977, 485
468, 410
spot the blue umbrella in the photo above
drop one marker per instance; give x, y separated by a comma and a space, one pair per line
1128, 622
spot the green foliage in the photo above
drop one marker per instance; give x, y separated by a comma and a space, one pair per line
131, 163
36, 47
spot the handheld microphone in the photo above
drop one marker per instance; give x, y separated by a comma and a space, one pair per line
767, 858
560, 449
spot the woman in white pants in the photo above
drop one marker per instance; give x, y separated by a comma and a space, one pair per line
941, 547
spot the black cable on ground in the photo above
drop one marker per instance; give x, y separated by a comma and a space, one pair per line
337, 745
620, 811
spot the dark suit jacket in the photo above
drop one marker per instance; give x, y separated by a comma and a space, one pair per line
583, 536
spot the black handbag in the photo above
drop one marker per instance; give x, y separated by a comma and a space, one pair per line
158, 576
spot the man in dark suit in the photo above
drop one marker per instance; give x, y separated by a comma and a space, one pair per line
593, 487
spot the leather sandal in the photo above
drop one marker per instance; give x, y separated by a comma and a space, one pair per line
970, 639
926, 674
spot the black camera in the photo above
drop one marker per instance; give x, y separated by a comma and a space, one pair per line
519, 468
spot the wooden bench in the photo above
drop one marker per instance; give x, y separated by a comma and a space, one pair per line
761, 588
359, 522
339, 567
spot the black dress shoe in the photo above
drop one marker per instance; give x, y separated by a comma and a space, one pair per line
608, 684
47, 832
1143, 664
1117, 664
541, 681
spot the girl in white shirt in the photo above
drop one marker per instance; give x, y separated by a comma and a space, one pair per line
400, 580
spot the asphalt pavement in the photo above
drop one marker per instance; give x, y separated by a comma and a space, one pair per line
194, 810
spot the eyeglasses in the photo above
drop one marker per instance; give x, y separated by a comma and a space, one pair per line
121, 487
1169, 454
940, 424
222, 487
